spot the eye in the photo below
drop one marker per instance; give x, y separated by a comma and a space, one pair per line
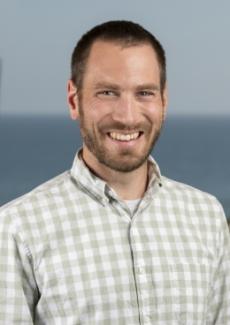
146, 93
107, 93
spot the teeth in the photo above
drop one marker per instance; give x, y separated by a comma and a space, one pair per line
124, 137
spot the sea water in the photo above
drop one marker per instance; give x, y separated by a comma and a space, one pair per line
193, 150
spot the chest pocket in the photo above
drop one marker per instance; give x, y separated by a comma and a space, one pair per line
181, 291
191, 286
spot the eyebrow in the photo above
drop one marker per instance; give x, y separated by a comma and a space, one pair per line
148, 86
114, 86
109, 85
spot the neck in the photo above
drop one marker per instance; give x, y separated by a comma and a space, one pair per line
128, 185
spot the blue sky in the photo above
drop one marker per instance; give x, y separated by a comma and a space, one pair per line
37, 38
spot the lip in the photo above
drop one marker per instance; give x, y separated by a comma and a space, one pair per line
125, 144
125, 131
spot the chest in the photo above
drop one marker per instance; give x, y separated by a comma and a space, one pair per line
149, 267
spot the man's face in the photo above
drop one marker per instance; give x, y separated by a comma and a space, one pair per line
120, 106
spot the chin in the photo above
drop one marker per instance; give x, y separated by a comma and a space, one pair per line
124, 165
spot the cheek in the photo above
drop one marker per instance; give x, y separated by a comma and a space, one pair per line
96, 106
154, 114
99, 111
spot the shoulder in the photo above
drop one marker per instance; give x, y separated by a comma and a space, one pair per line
33, 202
199, 206
186, 193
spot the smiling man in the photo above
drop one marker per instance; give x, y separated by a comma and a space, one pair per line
113, 241
121, 106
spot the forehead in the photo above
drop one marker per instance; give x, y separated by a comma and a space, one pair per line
113, 59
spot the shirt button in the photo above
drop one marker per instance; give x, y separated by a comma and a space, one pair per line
147, 319
140, 270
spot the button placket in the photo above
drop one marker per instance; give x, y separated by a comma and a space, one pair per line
142, 278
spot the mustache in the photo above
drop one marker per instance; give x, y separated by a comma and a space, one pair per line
124, 127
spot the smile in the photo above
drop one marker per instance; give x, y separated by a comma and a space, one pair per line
124, 137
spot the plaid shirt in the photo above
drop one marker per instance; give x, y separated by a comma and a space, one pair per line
72, 253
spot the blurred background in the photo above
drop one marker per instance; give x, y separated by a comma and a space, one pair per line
37, 138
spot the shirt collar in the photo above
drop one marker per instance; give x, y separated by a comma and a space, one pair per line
99, 188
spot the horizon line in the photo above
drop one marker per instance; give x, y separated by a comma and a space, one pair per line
66, 115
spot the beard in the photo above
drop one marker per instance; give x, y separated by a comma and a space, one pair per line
126, 160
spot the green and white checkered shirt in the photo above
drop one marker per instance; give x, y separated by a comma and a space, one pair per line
72, 253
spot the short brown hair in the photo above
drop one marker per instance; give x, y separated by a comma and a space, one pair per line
123, 32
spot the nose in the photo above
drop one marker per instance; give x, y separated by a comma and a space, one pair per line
125, 111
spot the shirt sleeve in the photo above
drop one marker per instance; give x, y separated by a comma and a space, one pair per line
18, 292
220, 295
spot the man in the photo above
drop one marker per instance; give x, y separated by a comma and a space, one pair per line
112, 241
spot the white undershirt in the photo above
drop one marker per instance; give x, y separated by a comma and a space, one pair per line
133, 204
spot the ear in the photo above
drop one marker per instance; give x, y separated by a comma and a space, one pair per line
72, 99
165, 101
